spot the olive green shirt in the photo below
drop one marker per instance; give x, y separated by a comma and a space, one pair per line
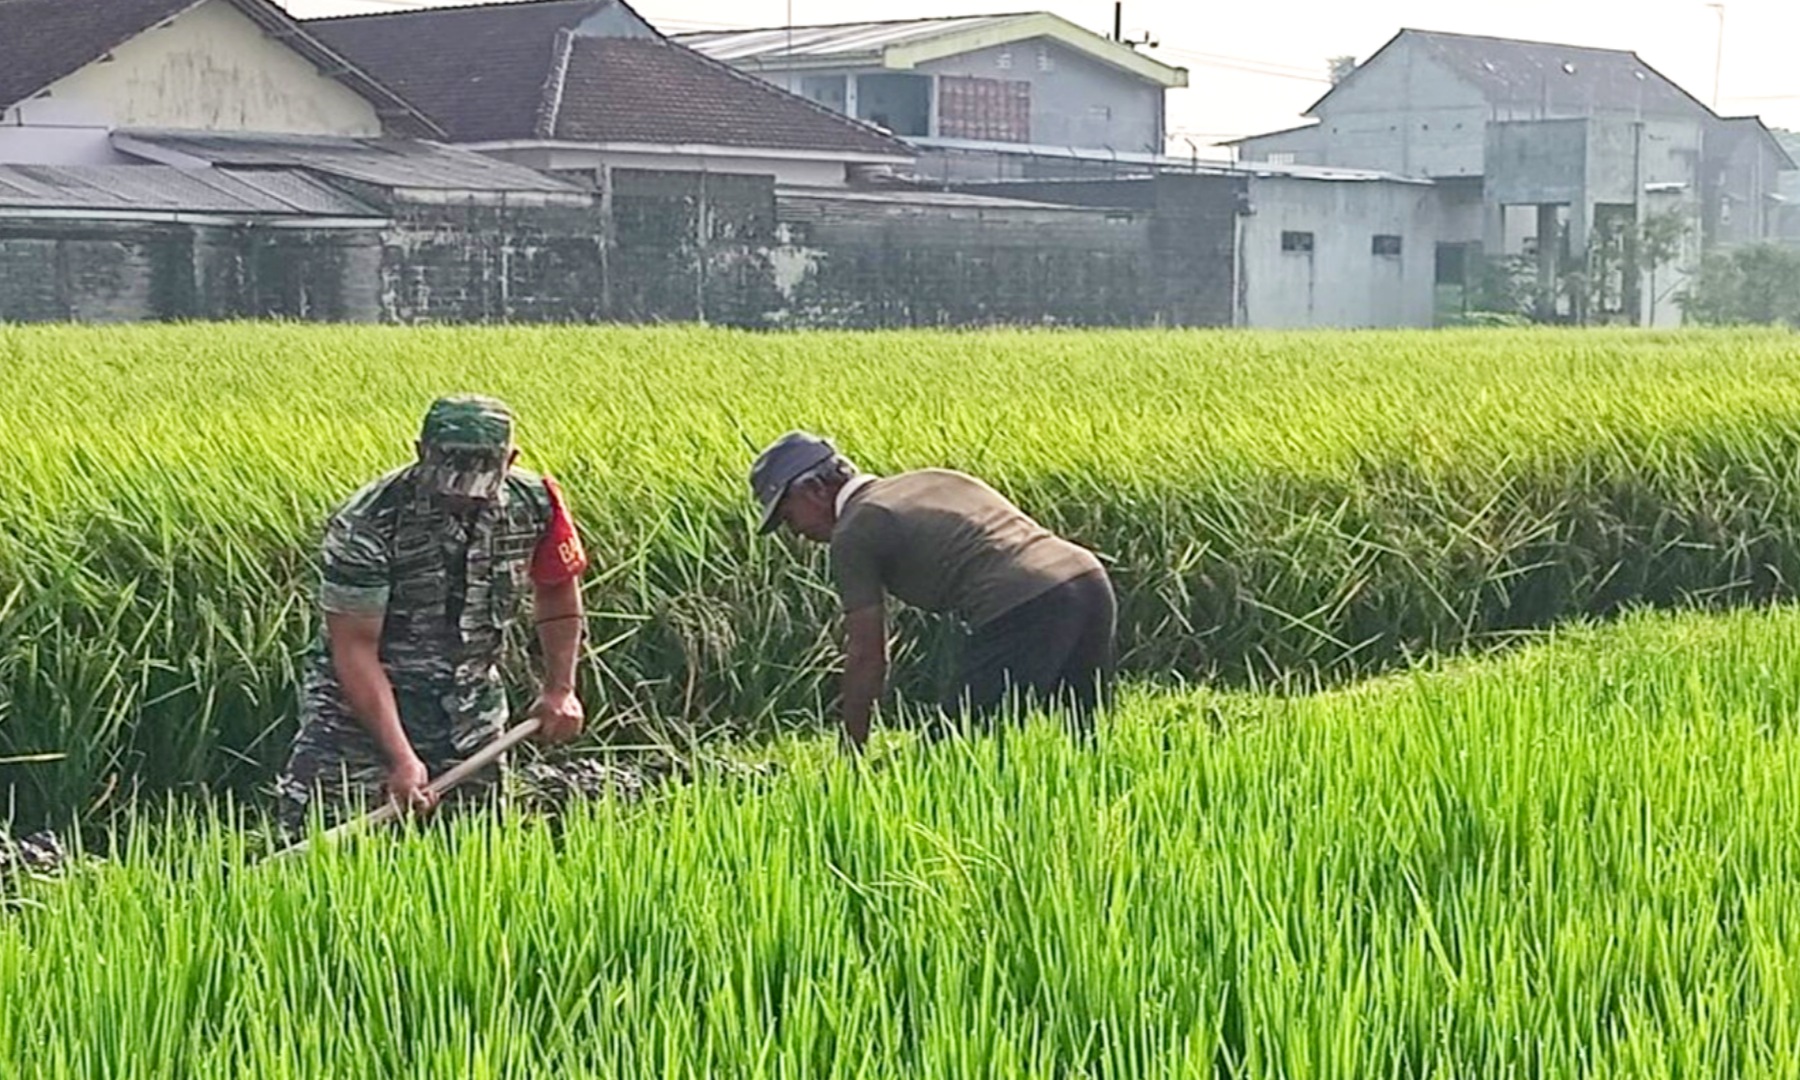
945, 542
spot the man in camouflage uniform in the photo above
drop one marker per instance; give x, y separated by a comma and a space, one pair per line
424, 571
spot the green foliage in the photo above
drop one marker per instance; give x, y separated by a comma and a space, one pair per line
1579, 861
1504, 291
1754, 285
1275, 507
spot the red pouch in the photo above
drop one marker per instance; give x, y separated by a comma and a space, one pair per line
559, 556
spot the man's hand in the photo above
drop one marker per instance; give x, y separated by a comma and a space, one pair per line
409, 786
561, 713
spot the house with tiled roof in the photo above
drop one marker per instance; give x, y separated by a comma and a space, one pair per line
586, 86
1549, 154
71, 71
211, 158
982, 97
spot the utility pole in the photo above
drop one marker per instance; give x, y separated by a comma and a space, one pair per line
1719, 54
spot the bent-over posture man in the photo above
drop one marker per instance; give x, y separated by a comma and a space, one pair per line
424, 571
1039, 609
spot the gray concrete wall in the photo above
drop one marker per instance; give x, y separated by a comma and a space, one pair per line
850, 262
1075, 100
1531, 162
1302, 146
1341, 282
1739, 208
1192, 235
1404, 113
103, 272
659, 247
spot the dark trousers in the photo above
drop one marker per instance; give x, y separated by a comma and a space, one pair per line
1053, 650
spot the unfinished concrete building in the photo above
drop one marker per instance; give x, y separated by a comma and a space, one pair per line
1583, 171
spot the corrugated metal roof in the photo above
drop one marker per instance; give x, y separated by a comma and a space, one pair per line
388, 163
917, 197
1167, 162
164, 188
843, 39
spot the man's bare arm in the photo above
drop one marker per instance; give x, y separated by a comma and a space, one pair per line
356, 655
865, 669
558, 611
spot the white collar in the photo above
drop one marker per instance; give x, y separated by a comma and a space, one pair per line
851, 487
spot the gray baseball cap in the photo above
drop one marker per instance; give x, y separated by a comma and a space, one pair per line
786, 460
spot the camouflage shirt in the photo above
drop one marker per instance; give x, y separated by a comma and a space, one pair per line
449, 587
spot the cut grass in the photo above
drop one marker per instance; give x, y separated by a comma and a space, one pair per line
1274, 506
1575, 861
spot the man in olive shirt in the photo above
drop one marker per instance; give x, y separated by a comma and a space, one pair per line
1040, 610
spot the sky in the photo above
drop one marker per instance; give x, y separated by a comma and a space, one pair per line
1255, 65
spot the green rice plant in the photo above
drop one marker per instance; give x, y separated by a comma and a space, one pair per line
1276, 508
1577, 860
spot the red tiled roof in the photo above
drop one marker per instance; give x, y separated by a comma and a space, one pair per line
652, 90
479, 72
581, 70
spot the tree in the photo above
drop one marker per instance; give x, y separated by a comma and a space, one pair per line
1757, 284
1661, 239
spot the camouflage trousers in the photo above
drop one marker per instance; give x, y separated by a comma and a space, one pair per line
336, 769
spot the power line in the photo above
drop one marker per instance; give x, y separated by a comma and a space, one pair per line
1246, 65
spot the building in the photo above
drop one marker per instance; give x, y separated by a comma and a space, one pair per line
326, 228
984, 97
71, 71
1274, 247
558, 160
212, 159
586, 87
1559, 167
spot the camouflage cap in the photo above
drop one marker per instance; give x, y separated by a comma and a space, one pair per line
468, 420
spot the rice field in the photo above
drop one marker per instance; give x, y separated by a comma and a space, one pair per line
1277, 509
1576, 860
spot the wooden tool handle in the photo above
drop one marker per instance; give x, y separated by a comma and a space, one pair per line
389, 810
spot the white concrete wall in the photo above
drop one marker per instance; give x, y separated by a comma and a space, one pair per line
1340, 283
213, 69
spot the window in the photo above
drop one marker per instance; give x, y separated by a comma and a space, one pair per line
1452, 264
1297, 241
1281, 157
1385, 245
899, 103
827, 90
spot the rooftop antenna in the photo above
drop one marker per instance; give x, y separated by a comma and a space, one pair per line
1118, 31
